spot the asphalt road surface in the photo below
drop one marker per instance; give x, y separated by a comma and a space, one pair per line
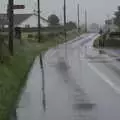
80, 84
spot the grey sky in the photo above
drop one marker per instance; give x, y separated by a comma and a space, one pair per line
97, 9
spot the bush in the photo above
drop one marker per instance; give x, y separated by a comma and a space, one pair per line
51, 35
30, 35
114, 34
34, 38
42, 37
112, 43
100, 42
61, 33
96, 42
3, 37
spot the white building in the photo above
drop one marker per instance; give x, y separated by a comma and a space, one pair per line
93, 28
109, 25
32, 21
23, 20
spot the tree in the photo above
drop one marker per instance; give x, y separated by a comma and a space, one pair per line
117, 17
53, 20
71, 25
108, 22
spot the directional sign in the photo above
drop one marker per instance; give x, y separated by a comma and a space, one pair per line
19, 7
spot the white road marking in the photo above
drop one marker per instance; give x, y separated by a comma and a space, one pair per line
105, 78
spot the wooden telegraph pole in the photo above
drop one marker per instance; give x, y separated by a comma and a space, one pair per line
65, 34
65, 20
78, 14
11, 25
39, 21
85, 20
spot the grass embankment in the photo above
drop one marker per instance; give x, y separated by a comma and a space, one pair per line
15, 69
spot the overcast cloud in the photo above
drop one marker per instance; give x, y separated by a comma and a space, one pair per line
97, 9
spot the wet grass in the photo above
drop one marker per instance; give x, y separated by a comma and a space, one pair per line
12, 77
14, 71
96, 43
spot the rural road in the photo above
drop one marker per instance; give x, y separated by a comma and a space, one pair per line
80, 84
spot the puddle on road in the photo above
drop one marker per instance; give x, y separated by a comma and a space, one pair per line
62, 65
63, 69
83, 108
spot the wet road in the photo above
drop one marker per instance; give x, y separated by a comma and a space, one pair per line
80, 84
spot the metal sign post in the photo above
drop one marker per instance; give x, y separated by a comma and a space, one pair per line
43, 82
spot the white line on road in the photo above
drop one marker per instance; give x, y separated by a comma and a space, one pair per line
105, 78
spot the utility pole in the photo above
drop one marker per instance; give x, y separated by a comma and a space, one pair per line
78, 14
65, 19
11, 25
85, 20
39, 21
65, 34
108, 25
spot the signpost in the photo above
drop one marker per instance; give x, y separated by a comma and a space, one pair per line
18, 6
10, 13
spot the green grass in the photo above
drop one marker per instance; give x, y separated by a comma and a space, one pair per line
13, 72
97, 41
12, 75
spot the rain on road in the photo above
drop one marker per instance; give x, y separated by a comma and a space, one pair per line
82, 85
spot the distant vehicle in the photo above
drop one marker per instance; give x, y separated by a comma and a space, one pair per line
93, 28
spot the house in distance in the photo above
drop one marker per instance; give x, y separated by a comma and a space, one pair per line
23, 21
